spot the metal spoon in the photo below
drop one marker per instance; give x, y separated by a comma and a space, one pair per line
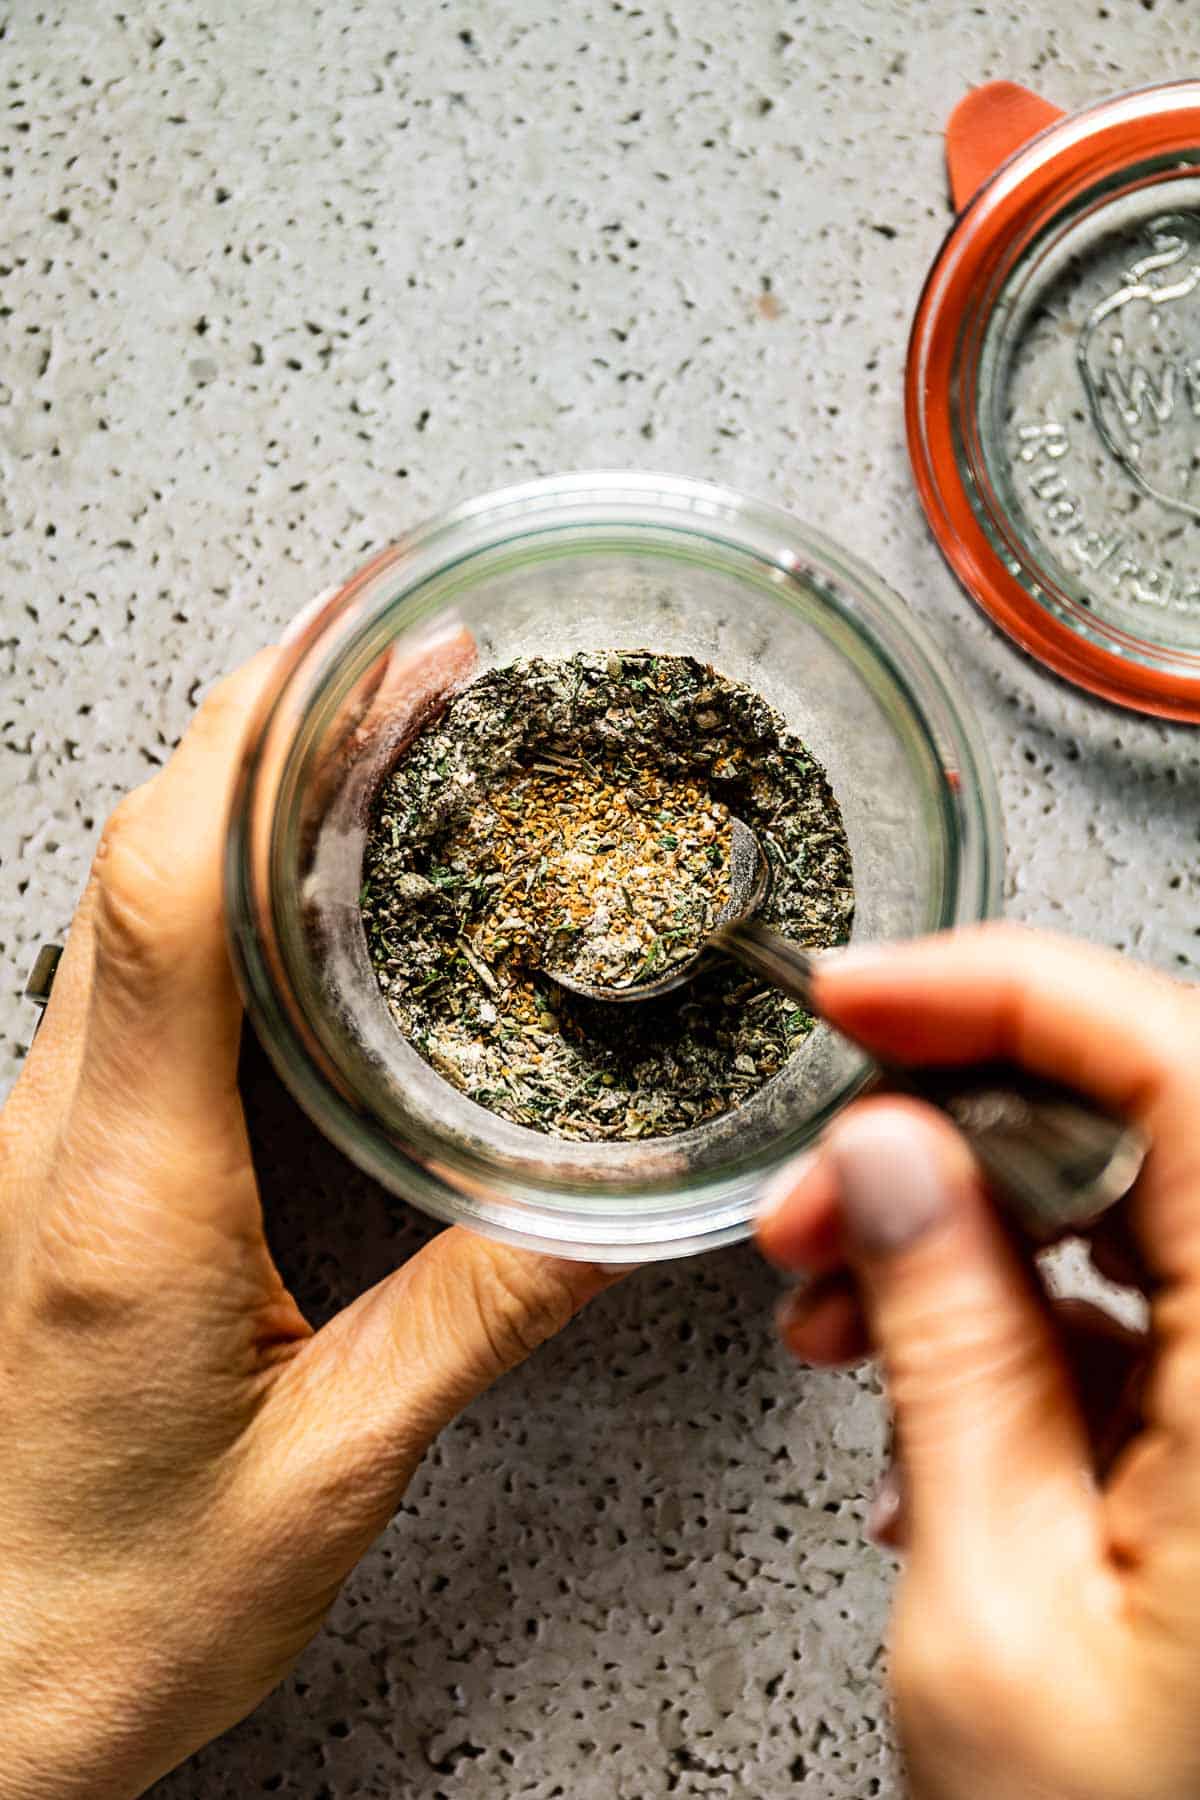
1054, 1159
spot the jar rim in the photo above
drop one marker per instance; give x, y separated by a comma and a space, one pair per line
719, 1209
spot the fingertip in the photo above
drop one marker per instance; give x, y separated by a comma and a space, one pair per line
893, 1122
901, 1171
778, 1191
823, 1323
852, 969
797, 1224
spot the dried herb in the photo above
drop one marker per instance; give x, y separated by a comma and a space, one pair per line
574, 814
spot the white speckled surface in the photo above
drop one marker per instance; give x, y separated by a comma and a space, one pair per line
276, 280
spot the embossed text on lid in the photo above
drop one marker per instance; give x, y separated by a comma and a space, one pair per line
1091, 428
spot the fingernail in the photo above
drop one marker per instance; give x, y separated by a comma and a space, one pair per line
891, 1183
778, 1191
885, 1520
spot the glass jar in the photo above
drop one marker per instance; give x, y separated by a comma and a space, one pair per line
585, 562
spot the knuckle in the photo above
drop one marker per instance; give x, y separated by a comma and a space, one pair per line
75, 1281
222, 712
124, 822
213, 716
133, 906
74, 1296
941, 1343
126, 920
947, 1371
520, 1306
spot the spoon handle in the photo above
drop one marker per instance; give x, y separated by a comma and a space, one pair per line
1054, 1159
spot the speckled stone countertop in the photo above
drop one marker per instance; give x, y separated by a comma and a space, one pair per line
277, 281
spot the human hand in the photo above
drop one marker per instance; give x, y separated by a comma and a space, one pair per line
189, 1472
1046, 1639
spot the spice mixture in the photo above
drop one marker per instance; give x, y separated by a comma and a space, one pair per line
594, 874
575, 815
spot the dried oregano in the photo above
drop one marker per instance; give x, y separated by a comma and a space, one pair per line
574, 814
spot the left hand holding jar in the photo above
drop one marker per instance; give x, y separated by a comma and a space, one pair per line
189, 1471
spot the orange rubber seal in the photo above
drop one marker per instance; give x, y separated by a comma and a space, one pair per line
1007, 182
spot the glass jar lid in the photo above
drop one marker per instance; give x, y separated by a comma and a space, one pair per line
1053, 389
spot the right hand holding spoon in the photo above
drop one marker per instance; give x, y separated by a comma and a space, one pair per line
1046, 1641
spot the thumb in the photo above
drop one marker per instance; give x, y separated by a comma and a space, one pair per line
377, 1384
988, 1428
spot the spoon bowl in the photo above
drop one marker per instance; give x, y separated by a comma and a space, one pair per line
749, 885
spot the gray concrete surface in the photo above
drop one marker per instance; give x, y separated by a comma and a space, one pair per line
277, 280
